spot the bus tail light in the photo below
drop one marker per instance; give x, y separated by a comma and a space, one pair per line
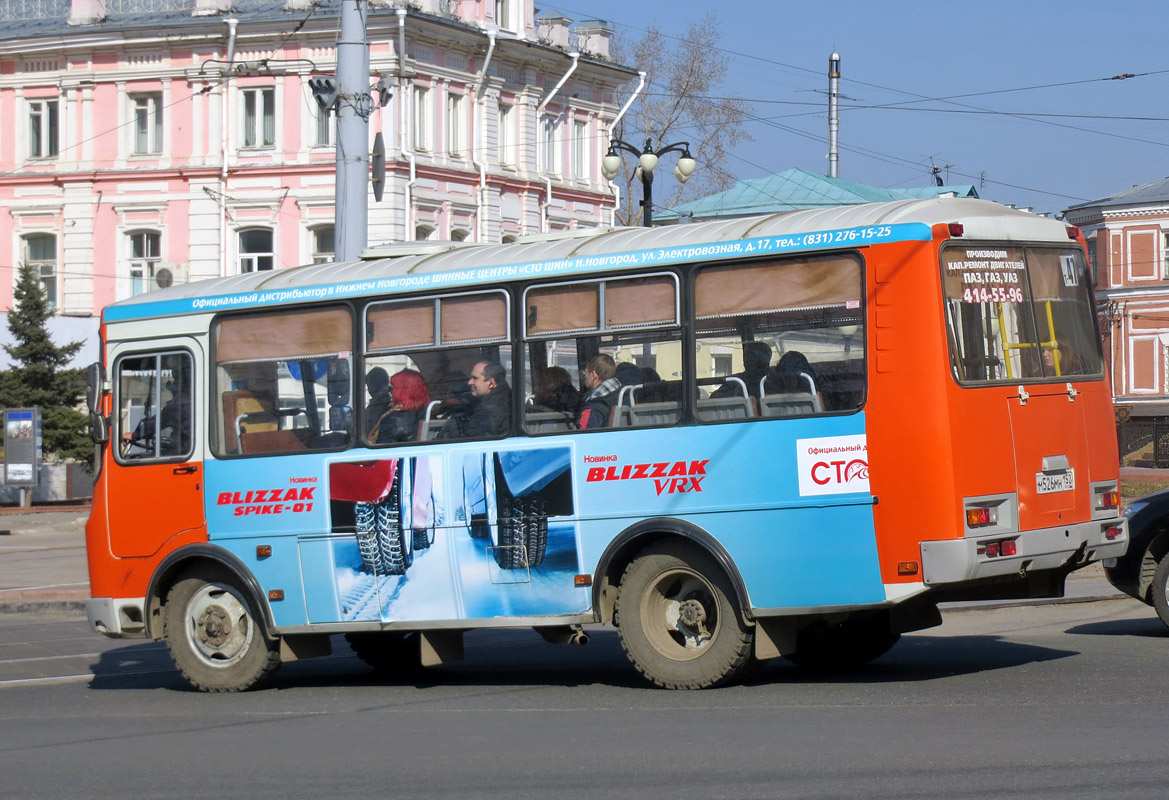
1113, 532
1107, 500
1000, 547
957, 229
980, 517
1073, 232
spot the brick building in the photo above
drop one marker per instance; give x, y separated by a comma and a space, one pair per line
1128, 250
150, 141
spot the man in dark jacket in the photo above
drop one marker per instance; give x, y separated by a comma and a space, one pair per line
491, 415
604, 388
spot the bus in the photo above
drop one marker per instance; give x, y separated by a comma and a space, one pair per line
790, 435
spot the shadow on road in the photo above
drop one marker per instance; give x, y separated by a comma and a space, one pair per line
519, 658
1150, 627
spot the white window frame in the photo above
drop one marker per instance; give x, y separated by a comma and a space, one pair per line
508, 155
320, 256
255, 102
423, 120
455, 143
146, 123
142, 266
581, 162
46, 269
44, 128
258, 260
324, 127
550, 134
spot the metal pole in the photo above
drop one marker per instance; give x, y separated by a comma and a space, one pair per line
353, 108
647, 199
833, 115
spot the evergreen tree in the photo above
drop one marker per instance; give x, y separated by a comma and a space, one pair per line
39, 376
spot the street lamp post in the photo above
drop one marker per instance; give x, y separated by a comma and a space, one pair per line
647, 159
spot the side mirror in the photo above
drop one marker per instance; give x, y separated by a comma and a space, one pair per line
338, 382
99, 428
95, 378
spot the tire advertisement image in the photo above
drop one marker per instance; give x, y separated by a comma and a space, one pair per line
464, 535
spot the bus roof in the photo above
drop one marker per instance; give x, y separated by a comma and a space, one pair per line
415, 266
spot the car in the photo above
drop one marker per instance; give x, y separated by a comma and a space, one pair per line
1143, 571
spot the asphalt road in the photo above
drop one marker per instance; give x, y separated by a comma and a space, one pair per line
1059, 701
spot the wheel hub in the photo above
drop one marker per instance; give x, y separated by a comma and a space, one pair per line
216, 626
692, 614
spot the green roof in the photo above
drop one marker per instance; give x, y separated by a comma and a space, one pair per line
797, 188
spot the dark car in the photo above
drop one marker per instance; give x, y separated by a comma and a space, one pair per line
1143, 571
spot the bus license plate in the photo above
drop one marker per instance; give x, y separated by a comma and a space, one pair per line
1049, 482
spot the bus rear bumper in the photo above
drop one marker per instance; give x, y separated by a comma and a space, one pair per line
118, 618
1065, 547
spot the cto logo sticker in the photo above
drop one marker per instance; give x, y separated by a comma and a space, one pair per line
833, 465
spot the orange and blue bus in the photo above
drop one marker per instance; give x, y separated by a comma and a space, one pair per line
791, 435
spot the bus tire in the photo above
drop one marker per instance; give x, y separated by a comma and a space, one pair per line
368, 542
848, 645
510, 549
679, 621
535, 531
1160, 589
395, 542
215, 637
388, 653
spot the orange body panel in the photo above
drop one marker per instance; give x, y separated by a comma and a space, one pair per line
933, 442
153, 519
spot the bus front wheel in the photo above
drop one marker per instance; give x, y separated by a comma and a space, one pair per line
214, 635
678, 619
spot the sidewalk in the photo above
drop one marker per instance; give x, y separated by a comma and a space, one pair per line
43, 566
42, 558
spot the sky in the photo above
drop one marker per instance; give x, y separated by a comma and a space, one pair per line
1060, 132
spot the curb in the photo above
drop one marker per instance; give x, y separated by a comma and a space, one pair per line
43, 607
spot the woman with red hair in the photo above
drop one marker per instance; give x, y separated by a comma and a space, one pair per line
408, 400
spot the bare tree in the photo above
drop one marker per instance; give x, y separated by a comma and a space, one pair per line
679, 103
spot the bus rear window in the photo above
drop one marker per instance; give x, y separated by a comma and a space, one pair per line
1019, 314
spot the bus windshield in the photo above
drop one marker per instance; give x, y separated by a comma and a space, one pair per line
1019, 314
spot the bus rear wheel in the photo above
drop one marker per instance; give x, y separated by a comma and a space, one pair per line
679, 620
214, 635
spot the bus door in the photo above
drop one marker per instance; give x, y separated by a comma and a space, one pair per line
155, 483
1050, 439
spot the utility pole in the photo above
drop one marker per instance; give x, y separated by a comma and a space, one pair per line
833, 115
353, 108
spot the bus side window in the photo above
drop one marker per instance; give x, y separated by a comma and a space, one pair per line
779, 339
282, 381
602, 354
437, 368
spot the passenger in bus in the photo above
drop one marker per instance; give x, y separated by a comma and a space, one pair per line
791, 374
1069, 359
377, 383
555, 391
409, 398
756, 365
490, 413
603, 386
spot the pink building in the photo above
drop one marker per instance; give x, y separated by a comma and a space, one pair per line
148, 141
1128, 247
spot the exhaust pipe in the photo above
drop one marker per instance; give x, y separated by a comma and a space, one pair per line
564, 635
